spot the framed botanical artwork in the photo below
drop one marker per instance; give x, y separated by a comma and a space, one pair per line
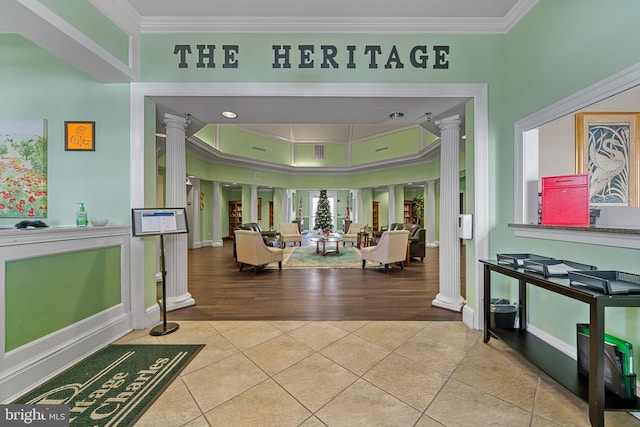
80, 136
607, 149
23, 168
259, 208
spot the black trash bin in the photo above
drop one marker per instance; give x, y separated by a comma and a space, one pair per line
503, 313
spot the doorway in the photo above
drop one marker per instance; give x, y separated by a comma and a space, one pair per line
472, 312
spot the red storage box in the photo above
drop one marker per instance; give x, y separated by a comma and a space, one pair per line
565, 200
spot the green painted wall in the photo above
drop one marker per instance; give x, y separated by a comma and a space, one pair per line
386, 147
207, 214
245, 144
583, 41
472, 58
46, 294
92, 23
58, 92
335, 155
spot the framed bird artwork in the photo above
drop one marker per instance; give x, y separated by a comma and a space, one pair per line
607, 149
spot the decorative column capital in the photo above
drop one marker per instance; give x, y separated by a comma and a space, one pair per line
452, 122
175, 122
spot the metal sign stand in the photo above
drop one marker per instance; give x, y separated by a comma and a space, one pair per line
165, 328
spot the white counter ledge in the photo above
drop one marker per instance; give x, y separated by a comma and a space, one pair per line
596, 235
19, 236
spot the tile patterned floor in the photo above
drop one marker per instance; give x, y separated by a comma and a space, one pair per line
352, 374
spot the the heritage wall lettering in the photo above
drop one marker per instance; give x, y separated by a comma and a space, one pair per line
310, 56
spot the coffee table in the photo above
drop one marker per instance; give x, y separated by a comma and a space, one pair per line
321, 240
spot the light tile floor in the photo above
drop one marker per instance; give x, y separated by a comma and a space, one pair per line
423, 374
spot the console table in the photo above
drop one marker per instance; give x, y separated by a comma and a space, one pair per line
556, 364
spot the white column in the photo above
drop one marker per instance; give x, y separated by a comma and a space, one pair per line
359, 217
392, 204
217, 208
286, 207
178, 295
431, 215
449, 296
193, 211
254, 203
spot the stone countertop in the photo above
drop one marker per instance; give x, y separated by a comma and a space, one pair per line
593, 228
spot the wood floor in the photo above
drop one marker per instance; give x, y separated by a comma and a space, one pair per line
222, 292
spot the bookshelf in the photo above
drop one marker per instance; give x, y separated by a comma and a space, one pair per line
235, 215
374, 216
408, 212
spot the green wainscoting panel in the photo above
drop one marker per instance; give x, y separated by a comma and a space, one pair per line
48, 293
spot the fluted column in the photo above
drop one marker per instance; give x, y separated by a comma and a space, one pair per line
431, 215
178, 295
254, 203
217, 208
358, 217
392, 204
449, 296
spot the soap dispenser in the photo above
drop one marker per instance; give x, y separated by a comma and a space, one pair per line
82, 219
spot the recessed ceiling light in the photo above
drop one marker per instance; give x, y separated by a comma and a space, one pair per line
161, 135
397, 115
229, 114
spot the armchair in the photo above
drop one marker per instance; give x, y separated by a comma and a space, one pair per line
252, 250
290, 232
417, 246
352, 233
391, 248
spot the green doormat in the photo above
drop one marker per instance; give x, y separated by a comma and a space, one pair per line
114, 386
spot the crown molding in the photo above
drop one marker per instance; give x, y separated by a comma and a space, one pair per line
123, 14
322, 25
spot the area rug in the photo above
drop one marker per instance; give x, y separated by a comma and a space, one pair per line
306, 257
114, 386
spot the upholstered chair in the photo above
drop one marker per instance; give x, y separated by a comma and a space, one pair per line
290, 232
352, 233
391, 248
251, 250
418, 247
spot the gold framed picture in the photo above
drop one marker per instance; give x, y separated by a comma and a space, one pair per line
607, 146
79, 136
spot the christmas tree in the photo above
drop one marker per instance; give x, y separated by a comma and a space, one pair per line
324, 220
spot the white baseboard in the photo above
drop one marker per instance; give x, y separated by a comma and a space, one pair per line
553, 342
35, 363
152, 316
468, 316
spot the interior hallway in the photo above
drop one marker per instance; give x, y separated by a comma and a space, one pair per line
357, 373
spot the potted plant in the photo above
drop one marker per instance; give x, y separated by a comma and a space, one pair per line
418, 209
